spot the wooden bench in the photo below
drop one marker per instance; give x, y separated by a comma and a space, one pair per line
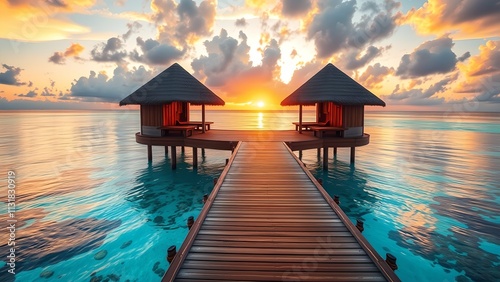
322, 130
186, 130
198, 124
307, 125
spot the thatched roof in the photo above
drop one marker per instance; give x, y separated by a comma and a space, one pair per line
174, 84
332, 85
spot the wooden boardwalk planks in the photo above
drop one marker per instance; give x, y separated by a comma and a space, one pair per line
268, 220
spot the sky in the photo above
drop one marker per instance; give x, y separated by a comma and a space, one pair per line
441, 55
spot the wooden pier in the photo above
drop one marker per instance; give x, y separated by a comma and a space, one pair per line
268, 219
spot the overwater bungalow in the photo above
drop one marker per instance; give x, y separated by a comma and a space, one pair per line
164, 102
340, 107
164, 108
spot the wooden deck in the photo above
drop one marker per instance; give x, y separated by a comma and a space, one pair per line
227, 139
268, 219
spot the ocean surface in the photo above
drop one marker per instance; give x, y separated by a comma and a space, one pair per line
90, 206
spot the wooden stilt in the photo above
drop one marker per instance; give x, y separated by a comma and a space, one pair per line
325, 158
166, 150
174, 156
353, 154
300, 154
183, 150
203, 118
300, 119
335, 151
150, 153
318, 152
195, 157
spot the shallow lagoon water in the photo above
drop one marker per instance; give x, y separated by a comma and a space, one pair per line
426, 187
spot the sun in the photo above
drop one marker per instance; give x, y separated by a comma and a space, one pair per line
260, 104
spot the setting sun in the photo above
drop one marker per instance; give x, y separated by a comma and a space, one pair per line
260, 104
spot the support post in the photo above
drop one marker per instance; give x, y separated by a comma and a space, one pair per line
300, 154
174, 157
183, 150
150, 153
325, 158
353, 154
300, 119
318, 152
335, 151
166, 150
195, 157
203, 118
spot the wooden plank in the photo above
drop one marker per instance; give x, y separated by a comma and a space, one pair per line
229, 275
283, 266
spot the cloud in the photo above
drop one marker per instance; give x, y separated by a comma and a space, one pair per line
10, 76
420, 96
333, 29
181, 25
482, 74
374, 75
31, 104
30, 94
72, 51
111, 51
226, 59
101, 87
241, 22
431, 57
40, 20
352, 59
486, 62
47, 93
464, 57
468, 18
132, 28
155, 53
295, 8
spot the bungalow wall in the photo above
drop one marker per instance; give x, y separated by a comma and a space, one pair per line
350, 117
153, 116
353, 120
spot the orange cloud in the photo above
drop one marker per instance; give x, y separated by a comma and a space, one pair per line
487, 61
466, 18
74, 50
40, 21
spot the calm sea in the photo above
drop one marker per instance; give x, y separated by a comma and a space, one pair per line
89, 206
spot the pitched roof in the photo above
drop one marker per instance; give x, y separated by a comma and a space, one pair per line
174, 84
332, 85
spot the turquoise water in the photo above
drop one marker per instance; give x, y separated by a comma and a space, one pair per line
427, 188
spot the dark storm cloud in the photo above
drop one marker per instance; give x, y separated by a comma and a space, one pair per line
293, 8
431, 57
111, 51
